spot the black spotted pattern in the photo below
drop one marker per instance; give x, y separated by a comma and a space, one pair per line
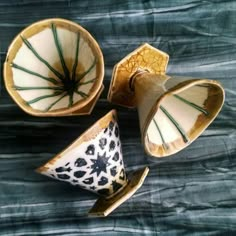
88, 180
79, 174
92, 187
103, 181
62, 169
116, 156
63, 176
116, 131
111, 125
112, 145
102, 143
90, 150
80, 162
113, 171
105, 130
99, 165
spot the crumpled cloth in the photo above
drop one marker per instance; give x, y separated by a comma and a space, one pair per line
190, 193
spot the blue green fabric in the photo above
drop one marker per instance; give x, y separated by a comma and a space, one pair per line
190, 193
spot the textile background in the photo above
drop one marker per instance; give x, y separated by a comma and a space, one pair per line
190, 193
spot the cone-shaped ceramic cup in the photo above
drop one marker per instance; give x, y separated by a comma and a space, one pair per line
173, 111
54, 68
94, 162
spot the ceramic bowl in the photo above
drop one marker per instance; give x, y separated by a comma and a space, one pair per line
173, 111
95, 162
54, 68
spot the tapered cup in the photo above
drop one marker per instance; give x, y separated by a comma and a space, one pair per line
173, 111
95, 162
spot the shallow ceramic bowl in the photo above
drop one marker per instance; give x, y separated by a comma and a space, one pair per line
54, 68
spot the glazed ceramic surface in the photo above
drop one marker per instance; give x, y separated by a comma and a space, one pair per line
173, 111
176, 112
144, 57
52, 66
93, 162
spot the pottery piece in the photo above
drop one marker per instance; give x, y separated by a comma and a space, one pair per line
94, 162
54, 68
173, 111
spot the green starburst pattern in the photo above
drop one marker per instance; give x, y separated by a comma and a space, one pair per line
64, 84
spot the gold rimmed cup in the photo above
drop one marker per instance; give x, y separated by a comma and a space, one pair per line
94, 162
173, 110
54, 67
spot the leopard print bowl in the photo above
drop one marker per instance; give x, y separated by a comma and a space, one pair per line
54, 67
94, 162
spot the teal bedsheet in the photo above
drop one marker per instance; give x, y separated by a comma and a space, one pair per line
190, 193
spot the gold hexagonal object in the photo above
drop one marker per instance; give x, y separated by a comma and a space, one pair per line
144, 57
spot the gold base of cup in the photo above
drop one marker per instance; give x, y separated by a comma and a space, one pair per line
104, 206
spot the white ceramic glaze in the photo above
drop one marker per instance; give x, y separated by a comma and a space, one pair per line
185, 107
44, 44
174, 111
52, 66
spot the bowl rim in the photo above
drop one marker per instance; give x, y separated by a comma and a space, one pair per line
15, 46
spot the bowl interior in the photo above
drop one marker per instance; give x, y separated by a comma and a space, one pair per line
55, 64
182, 116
